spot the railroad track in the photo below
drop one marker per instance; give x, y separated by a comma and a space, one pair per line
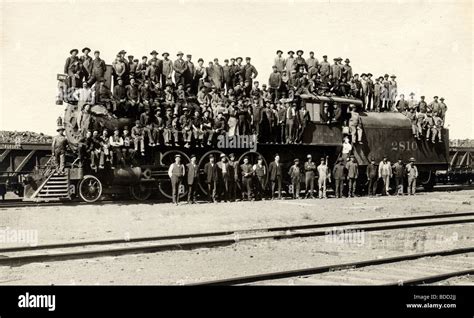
18, 203
116, 247
411, 269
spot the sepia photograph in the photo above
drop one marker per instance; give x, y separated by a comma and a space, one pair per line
325, 143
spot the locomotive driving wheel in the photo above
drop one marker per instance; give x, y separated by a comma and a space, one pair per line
140, 192
90, 189
164, 185
205, 159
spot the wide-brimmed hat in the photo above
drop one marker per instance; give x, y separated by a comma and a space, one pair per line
74, 50
412, 159
177, 155
279, 51
86, 48
179, 53
302, 52
291, 52
165, 54
154, 52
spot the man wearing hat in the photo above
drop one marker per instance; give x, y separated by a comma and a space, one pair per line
138, 136
224, 177
385, 173
291, 117
352, 174
87, 61
324, 175
260, 172
68, 66
370, 92
212, 177
250, 72
385, 93
290, 64
372, 173
119, 68
336, 71
176, 173
347, 70
309, 170
167, 70
189, 71
279, 61
393, 90
157, 63
295, 176
355, 125
120, 98
58, 149
299, 60
233, 177
186, 124
179, 67
339, 175
228, 75
412, 173
378, 88
422, 105
192, 174
247, 176
325, 70
429, 125
412, 116
442, 109
98, 69
434, 105
312, 62
274, 83
275, 173
398, 171
217, 74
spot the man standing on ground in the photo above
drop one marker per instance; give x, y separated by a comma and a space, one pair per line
412, 172
276, 174
309, 169
176, 173
192, 176
385, 173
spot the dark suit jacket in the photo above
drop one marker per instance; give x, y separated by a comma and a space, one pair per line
192, 172
211, 172
230, 170
274, 170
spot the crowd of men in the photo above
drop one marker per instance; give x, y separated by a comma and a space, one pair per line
228, 180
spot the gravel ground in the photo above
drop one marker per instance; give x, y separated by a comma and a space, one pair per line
244, 258
91, 222
60, 224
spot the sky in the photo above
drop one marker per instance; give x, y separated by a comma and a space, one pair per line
427, 44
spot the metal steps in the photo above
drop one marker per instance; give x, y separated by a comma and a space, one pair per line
54, 188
